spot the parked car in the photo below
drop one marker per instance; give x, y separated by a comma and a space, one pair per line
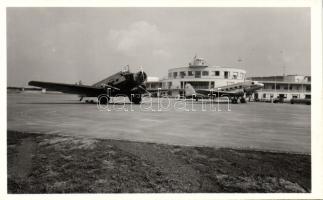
300, 101
278, 100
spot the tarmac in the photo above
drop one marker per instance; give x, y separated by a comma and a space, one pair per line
260, 126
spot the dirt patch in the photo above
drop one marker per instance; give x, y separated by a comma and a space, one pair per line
23, 158
64, 164
166, 163
22, 148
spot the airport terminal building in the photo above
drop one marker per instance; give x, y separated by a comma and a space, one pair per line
202, 76
286, 86
199, 74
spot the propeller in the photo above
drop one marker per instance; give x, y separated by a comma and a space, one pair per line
139, 89
143, 87
140, 77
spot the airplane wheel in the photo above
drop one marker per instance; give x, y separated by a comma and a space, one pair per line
234, 101
242, 100
136, 99
104, 100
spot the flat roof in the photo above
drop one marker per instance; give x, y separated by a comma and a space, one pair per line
206, 67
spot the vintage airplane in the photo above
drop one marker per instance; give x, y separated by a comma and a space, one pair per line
121, 83
233, 92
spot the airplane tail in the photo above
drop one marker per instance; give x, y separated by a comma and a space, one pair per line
189, 90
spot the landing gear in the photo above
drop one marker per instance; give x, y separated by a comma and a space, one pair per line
234, 100
243, 100
136, 99
103, 99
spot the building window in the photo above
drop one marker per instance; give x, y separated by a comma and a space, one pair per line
169, 85
235, 75
182, 85
197, 74
308, 88
205, 73
174, 74
190, 73
282, 96
217, 73
278, 87
264, 95
212, 84
169, 75
226, 74
241, 75
182, 74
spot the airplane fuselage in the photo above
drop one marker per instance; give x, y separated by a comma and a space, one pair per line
122, 83
233, 91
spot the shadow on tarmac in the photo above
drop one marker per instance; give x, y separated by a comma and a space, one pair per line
70, 103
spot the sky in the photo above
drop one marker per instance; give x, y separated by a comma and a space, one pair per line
71, 44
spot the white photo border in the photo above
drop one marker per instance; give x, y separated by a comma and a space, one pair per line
316, 108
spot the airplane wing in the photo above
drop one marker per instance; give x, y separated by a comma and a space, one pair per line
155, 91
189, 91
206, 92
83, 90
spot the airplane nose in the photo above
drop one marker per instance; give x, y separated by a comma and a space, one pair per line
141, 77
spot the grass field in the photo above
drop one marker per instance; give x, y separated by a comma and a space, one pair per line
40, 163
